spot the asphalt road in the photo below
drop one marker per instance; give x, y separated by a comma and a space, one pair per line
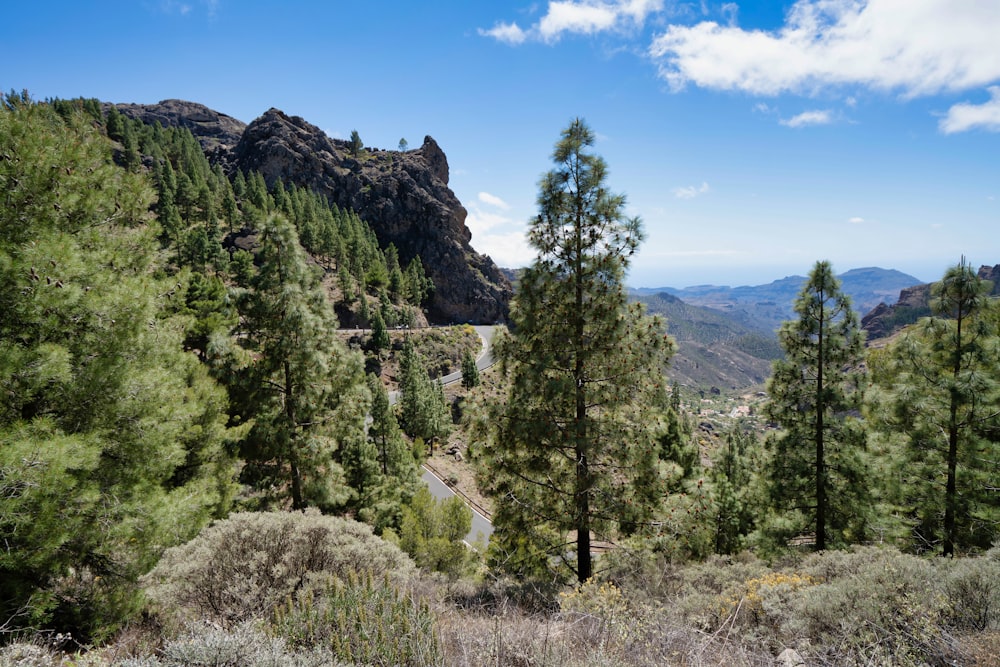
481, 526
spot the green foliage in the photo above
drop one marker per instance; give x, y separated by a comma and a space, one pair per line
470, 372
101, 403
361, 620
571, 444
380, 334
425, 412
935, 410
305, 390
356, 144
433, 533
817, 477
245, 566
733, 481
419, 286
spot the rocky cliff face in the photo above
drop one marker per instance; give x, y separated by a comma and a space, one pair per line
404, 196
914, 303
217, 132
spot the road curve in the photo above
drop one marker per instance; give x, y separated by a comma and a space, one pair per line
481, 526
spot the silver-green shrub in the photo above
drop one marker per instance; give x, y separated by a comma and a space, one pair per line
360, 619
242, 567
972, 589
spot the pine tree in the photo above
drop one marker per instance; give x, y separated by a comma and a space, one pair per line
392, 451
571, 446
425, 412
307, 393
937, 396
113, 437
380, 334
397, 478
817, 473
470, 372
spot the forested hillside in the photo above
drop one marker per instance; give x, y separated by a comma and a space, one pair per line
197, 466
168, 352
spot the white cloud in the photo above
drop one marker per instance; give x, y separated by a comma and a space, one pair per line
731, 11
480, 222
499, 237
917, 48
967, 116
585, 17
808, 118
508, 33
493, 200
691, 191
856, 220
575, 17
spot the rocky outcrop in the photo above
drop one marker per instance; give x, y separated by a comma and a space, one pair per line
914, 303
403, 196
217, 133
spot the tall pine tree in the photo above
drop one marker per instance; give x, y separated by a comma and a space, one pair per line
817, 472
306, 391
112, 437
937, 396
571, 446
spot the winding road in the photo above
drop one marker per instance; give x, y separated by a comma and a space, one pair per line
481, 526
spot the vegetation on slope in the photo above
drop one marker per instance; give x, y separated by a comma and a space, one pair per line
156, 376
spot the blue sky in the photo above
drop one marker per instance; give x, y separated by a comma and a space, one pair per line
752, 138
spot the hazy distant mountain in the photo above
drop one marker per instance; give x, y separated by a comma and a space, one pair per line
765, 307
714, 349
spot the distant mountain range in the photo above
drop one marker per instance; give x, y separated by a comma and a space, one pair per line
765, 307
726, 336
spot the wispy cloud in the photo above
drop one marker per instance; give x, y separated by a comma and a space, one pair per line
187, 8
691, 191
508, 33
856, 220
968, 116
917, 48
581, 17
808, 118
493, 200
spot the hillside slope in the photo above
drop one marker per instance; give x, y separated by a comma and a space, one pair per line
715, 350
403, 196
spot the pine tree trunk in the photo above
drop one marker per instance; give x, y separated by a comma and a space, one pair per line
951, 487
293, 455
820, 454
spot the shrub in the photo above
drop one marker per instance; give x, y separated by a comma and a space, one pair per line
360, 619
972, 589
242, 567
876, 606
433, 533
202, 645
601, 607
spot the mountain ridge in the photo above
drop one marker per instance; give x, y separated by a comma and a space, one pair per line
402, 195
767, 305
